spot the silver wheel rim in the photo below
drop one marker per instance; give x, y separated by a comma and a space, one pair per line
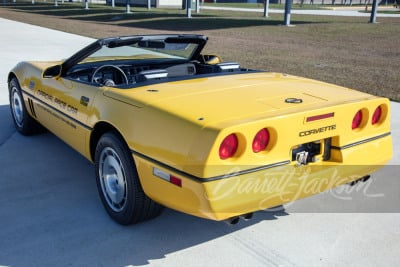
113, 179
17, 107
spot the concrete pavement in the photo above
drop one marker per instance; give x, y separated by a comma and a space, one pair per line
35, 44
50, 214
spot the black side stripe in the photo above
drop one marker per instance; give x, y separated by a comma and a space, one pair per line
58, 111
361, 142
210, 179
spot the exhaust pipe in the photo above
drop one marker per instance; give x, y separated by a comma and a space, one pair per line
365, 178
362, 179
232, 221
247, 216
236, 219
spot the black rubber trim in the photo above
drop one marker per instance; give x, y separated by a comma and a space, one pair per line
210, 179
58, 111
361, 142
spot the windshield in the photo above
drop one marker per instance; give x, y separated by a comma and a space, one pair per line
144, 49
181, 47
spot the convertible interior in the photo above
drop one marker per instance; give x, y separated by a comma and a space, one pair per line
122, 73
130, 61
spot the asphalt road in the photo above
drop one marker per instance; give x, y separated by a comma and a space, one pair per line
51, 215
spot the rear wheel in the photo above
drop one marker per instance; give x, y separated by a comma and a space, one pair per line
118, 183
23, 122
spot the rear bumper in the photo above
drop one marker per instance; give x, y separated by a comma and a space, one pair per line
250, 188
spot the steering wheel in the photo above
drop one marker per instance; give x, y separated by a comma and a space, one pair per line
110, 82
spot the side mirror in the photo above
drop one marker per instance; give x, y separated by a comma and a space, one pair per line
210, 59
52, 72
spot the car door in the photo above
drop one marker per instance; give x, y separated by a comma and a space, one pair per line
64, 106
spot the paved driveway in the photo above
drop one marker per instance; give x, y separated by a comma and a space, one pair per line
50, 213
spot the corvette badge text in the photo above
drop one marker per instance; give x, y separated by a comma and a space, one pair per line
58, 102
318, 130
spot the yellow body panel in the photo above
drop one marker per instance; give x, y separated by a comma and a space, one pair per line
178, 126
258, 190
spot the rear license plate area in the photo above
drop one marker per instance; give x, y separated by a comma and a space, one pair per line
306, 153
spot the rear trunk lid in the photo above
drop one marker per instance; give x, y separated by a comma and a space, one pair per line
245, 97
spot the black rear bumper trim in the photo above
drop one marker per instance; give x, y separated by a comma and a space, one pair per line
361, 142
210, 179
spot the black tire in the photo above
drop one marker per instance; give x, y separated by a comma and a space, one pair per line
118, 183
23, 122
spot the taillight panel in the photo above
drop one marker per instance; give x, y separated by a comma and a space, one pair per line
376, 116
369, 116
228, 146
261, 140
360, 119
252, 142
357, 120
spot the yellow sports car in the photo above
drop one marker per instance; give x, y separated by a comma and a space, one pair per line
166, 125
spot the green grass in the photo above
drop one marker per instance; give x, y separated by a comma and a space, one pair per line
343, 50
275, 6
382, 12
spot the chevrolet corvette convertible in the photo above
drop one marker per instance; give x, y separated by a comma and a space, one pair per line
169, 126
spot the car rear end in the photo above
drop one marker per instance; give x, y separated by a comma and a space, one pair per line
276, 161
302, 146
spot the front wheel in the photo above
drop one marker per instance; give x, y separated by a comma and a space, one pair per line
23, 122
118, 183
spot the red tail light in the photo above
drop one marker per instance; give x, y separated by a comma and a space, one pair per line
228, 147
175, 180
261, 140
167, 177
357, 120
377, 115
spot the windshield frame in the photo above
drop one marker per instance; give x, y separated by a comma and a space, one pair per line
117, 42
